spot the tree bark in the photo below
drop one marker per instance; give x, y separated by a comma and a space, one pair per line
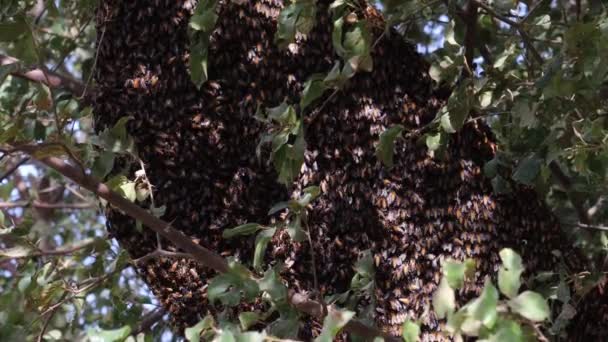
199, 146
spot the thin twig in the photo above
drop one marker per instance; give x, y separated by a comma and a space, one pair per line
524, 36
86, 85
313, 260
14, 168
148, 321
158, 253
592, 226
316, 113
47, 321
67, 53
470, 37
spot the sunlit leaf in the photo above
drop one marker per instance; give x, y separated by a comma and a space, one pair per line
444, 299
384, 150
244, 229
335, 320
530, 305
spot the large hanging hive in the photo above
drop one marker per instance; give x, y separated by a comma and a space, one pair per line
199, 150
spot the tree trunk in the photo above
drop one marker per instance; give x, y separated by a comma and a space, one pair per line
199, 148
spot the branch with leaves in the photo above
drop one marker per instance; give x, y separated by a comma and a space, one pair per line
41, 75
197, 252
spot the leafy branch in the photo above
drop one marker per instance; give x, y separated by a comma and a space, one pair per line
199, 253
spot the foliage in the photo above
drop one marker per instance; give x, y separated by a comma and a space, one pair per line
534, 74
487, 316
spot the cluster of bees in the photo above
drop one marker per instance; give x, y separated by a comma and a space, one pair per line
198, 146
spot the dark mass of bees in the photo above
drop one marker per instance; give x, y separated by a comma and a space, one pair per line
199, 150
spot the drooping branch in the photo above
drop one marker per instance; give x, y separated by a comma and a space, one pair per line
43, 205
199, 253
43, 76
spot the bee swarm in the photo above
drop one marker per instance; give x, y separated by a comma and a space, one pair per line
199, 150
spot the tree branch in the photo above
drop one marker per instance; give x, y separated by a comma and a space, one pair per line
43, 76
199, 253
469, 17
592, 226
160, 253
148, 321
524, 36
14, 168
43, 205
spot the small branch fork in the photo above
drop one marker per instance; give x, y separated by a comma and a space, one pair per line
40, 75
199, 253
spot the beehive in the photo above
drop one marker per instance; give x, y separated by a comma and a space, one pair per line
199, 150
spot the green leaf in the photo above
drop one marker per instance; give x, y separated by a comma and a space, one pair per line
433, 141
53, 335
109, 335
248, 319
563, 291
507, 330
294, 229
384, 150
314, 88
335, 320
357, 43
309, 194
483, 308
336, 37
103, 164
251, 336
299, 16
485, 99
454, 115
128, 189
449, 34
7, 69
527, 170
411, 331
510, 272
225, 336
365, 265
11, 31
222, 288
205, 21
198, 60
525, 113
567, 313
500, 185
261, 242
278, 207
455, 321
244, 229
271, 283
530, 305
201, 26
444, 299
455, 272
123, 186
194, 333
